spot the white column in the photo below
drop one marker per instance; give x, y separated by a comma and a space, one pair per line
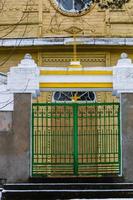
123, 86
23, 78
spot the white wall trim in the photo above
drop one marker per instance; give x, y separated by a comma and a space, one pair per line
48, 41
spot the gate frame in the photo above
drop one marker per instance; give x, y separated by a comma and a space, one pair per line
75, 123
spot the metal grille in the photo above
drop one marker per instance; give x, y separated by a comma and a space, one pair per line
72, 139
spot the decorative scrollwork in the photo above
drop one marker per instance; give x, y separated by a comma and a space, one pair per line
74, 96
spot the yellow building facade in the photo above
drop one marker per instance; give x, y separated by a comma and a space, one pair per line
32, 20
46, 29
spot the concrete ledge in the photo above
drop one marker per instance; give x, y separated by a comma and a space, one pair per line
26, 42
66, 191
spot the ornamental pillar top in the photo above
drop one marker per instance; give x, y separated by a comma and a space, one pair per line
24, 78
27, 61
124, 61
123, 75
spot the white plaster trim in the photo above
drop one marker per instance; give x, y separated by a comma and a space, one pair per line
3, 78
18, 42
76, 69
123, 75
75, 79
24, 78
76, 89
54, 68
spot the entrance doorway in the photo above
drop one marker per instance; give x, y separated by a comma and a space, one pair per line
76, 139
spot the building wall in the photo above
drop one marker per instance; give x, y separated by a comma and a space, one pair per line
40, 18
33, 19
62, 55
15, 140
127, 136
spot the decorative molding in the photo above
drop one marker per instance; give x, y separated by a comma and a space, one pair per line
48, 41
69, 59
24, 78
76, 85
56, 25
93, 77
73, 30
34, 9
123, 78
83, 72
108, 59
31, 8
123, 75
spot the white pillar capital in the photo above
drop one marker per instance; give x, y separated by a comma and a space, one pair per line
24, 78
123, 75
124, 61
27, 61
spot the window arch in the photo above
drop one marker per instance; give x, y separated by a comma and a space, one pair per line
74, 96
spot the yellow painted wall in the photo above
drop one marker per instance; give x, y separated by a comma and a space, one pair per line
61, 56
32, 18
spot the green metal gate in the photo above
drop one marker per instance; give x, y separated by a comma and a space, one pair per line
76, 139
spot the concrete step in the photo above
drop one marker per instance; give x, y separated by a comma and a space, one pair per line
41, 191
68, 186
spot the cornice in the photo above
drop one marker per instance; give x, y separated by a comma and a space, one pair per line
48, 41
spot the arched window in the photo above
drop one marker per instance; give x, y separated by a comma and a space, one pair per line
74, 96
74, 5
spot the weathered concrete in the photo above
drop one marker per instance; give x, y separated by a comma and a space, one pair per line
5, 122
15, 145
8, 42
127, 136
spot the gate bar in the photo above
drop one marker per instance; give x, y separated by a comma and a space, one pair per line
75, 114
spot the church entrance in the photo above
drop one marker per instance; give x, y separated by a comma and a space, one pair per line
76, 139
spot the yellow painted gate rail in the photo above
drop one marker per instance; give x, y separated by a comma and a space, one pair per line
76, 139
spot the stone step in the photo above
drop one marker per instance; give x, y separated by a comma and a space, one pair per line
70, 190
70, 186
73, 179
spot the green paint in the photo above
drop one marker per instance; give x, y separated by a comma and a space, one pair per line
75, 133
119, 139
76, 139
